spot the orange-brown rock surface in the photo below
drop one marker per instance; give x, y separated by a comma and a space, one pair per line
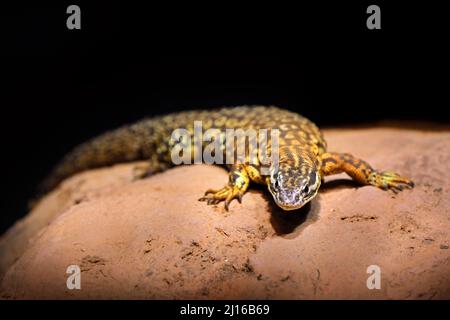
152, 239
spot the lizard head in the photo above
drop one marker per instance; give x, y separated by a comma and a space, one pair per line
293, 186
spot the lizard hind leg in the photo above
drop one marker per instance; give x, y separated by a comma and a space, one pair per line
148, 168
362, 172
237, 185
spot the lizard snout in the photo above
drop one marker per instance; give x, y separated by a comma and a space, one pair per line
289, 199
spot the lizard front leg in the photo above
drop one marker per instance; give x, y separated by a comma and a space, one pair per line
362, 172
237, 185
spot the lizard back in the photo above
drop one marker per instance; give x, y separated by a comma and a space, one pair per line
150, 138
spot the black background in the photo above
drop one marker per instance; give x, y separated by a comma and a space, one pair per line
63, 86
170, 309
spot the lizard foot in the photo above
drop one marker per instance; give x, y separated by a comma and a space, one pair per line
141, 171
227, 194
390, 181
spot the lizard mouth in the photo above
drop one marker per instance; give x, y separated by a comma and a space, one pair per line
293, 203
289, 206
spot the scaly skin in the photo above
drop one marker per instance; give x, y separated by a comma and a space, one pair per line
303, 158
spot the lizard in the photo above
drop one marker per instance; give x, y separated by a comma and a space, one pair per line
303, 163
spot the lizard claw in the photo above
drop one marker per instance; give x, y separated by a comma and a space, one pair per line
209, 191
391, 181
226, 194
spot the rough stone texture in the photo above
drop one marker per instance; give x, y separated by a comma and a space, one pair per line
153, 239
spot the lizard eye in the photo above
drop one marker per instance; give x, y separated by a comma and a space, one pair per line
305, 189
276, 180
276, 184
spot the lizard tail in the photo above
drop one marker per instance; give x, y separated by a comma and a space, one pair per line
125, 144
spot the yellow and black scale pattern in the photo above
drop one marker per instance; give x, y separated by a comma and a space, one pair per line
303, 156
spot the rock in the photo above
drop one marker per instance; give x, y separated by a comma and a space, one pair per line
152, 239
